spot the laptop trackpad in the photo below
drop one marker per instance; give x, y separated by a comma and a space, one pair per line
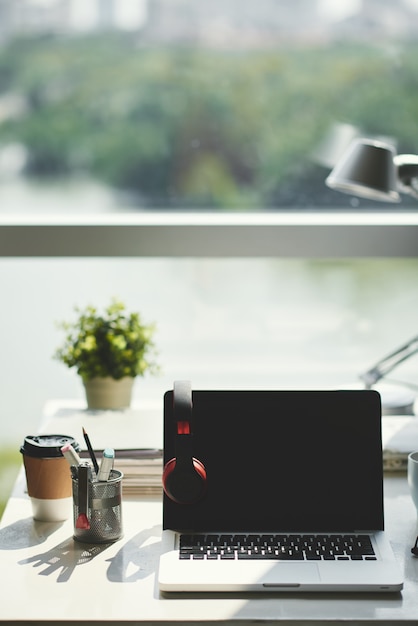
287, 574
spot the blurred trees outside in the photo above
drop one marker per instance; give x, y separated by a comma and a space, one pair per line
10, 462
183, 127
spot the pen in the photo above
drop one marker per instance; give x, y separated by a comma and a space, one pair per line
91, 451
70, 454
106, 464
84, 475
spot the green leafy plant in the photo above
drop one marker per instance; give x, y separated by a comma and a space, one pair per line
114, 344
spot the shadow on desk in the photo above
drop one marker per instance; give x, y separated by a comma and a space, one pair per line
136, 559
64, 558
25, 533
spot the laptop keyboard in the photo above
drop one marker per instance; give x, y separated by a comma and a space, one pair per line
344, 547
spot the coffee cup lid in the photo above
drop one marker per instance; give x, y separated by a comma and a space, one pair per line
47, 446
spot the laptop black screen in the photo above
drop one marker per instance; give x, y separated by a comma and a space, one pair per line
283, 461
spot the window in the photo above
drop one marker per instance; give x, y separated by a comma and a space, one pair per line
174, 157
221, 105
223, 323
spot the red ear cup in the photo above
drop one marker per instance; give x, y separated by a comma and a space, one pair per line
184, 484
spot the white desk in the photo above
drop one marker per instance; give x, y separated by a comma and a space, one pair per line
46, 576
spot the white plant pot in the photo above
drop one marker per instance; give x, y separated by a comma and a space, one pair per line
108, 393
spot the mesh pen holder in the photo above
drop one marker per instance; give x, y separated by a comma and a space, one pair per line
101, 520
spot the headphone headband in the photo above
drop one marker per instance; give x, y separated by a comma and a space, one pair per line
182, 404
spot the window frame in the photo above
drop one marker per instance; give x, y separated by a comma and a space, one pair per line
287, 235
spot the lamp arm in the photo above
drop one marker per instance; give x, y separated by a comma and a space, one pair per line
407, 169
388, 363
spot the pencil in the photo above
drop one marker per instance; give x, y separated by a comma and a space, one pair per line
91, 452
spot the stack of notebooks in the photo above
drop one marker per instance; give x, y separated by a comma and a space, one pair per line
142, 471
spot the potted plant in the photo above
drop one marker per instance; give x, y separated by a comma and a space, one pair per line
108, 351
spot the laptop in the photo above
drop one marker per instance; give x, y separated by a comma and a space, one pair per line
292, 496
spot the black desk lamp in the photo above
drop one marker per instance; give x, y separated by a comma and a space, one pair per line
388, 363
400, 403
372, 169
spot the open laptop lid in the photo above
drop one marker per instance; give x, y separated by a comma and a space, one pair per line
305, 461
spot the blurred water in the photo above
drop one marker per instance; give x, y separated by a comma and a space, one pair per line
236, 323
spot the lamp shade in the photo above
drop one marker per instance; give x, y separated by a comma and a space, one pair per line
367, 169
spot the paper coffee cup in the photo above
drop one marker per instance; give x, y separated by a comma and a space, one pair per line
48, 476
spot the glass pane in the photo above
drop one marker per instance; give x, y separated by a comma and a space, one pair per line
223, 324
225, 105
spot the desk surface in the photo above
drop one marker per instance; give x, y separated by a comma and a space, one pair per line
45, 575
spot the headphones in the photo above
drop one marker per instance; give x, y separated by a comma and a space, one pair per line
184, 477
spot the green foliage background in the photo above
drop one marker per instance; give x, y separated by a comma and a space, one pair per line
10, 462
196, 127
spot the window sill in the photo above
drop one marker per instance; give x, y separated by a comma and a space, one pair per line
298, 235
